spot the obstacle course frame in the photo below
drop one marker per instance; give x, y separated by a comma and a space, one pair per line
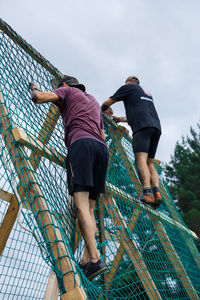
26, 150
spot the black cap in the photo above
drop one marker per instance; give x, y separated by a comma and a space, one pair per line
71, 81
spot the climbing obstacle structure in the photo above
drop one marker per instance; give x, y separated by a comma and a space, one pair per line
150, 254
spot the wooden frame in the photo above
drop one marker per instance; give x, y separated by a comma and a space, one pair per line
135, 180
46, 221
131, 249
174, 258
38, 206
43, 150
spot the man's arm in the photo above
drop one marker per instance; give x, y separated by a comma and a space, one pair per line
107, 104
103, 134
42, 97
119, 119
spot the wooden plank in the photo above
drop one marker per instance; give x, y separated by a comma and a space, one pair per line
174, 258
75, 294
116, 192
52, 289
175, 215
132, 250
136, 183
101, 225
35, 162
101, 228
5, 196
46, 131
128, 165
45, 220
121, 250
38, 147
8, 222
50, 122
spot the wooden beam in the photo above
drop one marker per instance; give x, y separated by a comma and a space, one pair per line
174, 258
38, 147
47, 129
46, 132
101, 228
75, 294
116, 192
121, 250
5, 196
130, 169
8, 222
132, 250
52, 289
176, 216
35, 162
45, 220
136, 183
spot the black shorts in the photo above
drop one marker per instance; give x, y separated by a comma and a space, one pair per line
86, 163
146, 140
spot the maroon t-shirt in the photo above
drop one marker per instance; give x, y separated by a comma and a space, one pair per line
81, 114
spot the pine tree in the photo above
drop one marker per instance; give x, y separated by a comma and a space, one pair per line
183, 178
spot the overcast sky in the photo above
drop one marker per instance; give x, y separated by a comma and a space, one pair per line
103, 42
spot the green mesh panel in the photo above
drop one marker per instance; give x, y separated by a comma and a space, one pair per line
24, 267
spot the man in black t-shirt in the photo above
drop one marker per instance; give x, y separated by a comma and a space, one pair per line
143, 119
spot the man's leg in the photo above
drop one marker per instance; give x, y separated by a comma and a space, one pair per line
87, 226
85, 258
154, 179
142, 168
145, 176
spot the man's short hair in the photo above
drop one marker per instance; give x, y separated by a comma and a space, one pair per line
130, 78
71, 81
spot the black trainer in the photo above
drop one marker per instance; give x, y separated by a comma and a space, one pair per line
94, 269
82, 266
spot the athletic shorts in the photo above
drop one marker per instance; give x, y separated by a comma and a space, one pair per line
146, 140
86, 163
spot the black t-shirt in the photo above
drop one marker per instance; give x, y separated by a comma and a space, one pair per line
139, 106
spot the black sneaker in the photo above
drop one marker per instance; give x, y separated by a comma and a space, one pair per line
82, 266
94, 269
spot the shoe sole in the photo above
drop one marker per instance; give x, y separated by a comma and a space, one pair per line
148, 202
97, 273
157, 203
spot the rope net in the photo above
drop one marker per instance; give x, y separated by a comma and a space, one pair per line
150, 254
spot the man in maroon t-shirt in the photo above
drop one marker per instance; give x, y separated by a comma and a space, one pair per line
86, 161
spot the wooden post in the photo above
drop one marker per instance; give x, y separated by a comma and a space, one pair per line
11, 214
132, 251
45, 220
37, 146
137, 185
101, 227
52, 289
175, 215
121, 250
128, 165
174, 258
8, 222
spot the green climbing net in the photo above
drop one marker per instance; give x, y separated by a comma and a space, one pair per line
149, 254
